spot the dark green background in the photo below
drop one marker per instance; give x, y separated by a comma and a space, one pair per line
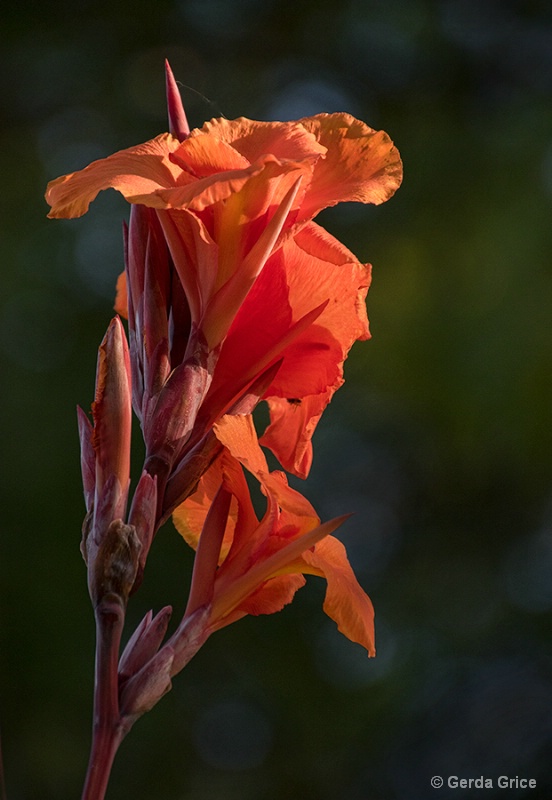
440, 440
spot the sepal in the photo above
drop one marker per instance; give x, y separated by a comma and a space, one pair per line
144, 643
145, 689
143, 517
88, 458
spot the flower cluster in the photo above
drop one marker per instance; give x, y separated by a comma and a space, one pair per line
233, 295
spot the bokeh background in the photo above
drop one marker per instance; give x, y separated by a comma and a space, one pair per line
440, 440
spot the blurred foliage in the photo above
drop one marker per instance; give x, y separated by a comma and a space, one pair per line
440, 440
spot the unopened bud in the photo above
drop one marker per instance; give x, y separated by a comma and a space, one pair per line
144, 643
112, 412
178, 124
146, 688
143, 517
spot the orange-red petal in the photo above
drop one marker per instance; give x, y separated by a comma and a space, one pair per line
361, 164
292, 425
253, 139
346, 602
272, 595
137, 172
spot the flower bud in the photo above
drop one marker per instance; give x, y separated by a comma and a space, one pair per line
178, 124
112, 413
144, 643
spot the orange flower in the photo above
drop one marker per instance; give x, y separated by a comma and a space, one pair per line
244, 566
263, 282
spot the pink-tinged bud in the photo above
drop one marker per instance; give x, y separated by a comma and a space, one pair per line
171, 417
178, 124
144, 643
144, 690
189, 637
112, 412
88, 458
149, 288
143, 517
190, 469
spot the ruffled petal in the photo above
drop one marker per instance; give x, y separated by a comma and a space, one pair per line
136, 172
190, 516
253, 139
202, 155
361, 165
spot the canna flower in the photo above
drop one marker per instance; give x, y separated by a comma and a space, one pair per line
259, 281
246, 566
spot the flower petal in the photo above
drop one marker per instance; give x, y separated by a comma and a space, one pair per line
195, 257
238, 434
253, 139
268, 598
361, 164
232, 588
292, 425
346, 602
202, 155
316, 266
135, 172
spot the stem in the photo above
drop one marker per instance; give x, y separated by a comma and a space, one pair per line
108, 731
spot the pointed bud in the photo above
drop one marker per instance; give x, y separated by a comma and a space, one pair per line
170, 420
183, 480
145, 689
148, 280
112, 412
143, 516
157, 289
144, 643
178, 124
